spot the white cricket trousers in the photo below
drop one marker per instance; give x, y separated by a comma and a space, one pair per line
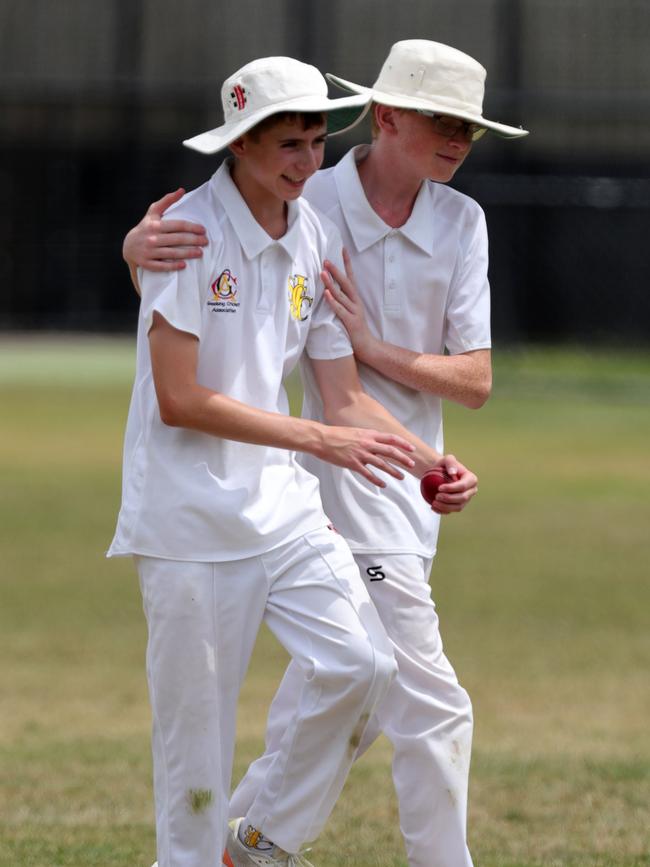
202, 621
426, 715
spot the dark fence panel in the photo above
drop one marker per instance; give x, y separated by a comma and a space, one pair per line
95, 99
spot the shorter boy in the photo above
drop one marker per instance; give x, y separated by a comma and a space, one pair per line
225, 527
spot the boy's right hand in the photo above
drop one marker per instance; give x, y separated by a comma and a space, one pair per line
163, 245
360, 448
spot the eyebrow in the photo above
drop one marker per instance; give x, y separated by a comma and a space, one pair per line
323, 135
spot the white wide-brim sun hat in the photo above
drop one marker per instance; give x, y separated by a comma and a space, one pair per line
429, 76
272, 85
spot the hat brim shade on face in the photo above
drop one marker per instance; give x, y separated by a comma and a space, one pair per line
414, 103
342, 114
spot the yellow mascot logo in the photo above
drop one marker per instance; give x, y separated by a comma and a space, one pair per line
299, 300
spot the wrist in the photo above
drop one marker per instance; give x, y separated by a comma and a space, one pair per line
366, 348
313, 437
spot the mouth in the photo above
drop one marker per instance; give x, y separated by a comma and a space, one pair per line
452, 160
296, 183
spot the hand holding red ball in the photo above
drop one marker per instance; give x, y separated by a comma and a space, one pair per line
431, 481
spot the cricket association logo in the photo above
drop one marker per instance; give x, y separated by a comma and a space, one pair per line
299, 298
224, 293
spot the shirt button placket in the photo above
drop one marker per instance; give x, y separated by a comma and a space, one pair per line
392, 296
266, 289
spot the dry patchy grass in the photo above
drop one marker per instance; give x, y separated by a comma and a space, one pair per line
541, 587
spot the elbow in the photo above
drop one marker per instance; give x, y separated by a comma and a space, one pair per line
171, 410
340, 412
479, 395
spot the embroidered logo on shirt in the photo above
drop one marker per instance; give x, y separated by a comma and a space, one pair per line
224, 293
299, 299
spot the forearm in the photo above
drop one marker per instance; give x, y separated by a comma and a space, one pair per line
464, 378
363, 411
200, 409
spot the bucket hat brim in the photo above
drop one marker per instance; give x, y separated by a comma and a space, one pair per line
342, 114
415, 103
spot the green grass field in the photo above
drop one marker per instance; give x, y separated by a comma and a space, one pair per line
542, 587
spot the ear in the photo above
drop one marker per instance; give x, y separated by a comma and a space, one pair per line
238, 147
386, 118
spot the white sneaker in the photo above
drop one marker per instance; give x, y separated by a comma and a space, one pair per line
243, 856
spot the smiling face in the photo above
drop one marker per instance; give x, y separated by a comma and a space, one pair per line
428, 153
275, 160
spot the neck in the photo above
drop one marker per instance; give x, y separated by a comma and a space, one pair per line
268, 210
389, 186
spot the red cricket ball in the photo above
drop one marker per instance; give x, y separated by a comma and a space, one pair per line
431, 481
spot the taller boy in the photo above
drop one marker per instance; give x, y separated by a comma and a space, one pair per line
420, 329
226, 528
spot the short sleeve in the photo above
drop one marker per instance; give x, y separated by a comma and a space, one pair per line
175, 295
327, 338
468, 308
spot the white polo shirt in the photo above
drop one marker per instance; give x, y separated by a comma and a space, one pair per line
255, 304
424, 286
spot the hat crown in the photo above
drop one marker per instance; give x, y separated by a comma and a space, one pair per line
432, 72
267, 82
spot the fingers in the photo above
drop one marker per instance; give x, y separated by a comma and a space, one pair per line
384, 456
394, 446
182, 232
336, 301
441, 508
363, 470
449, 464
347, 263
337, 295
385, 466
174, 246
345, 280
456, 493
453, 498
384, 452
157, 209
336, 273
162, 266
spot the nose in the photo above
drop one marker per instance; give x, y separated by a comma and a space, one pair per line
309, 161
461, 139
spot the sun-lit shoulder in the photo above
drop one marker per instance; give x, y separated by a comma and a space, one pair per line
320, 190
454, 206
322, 224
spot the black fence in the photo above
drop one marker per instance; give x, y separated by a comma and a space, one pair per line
95, 99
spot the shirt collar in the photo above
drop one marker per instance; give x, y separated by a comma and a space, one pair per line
253, 238
365, 225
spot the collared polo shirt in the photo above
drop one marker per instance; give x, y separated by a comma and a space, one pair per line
255, 304
424, 286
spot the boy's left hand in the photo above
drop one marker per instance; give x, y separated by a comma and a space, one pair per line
454, 495
158, 244
342, 296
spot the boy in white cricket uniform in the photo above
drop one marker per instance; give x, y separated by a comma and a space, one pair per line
419, 253
225, 526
